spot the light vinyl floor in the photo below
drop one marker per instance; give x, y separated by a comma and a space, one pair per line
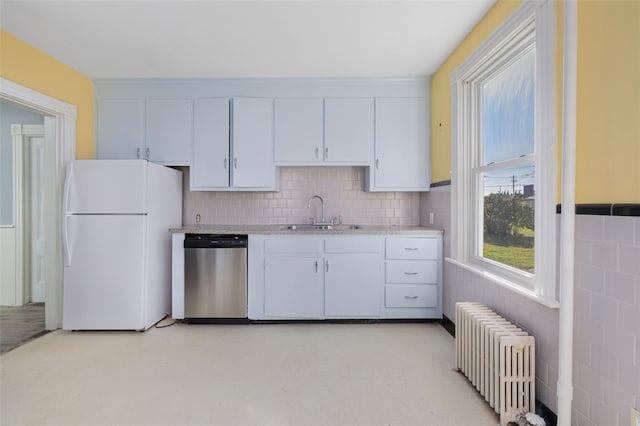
260, 374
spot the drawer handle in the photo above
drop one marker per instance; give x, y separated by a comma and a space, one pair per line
411, 273
316, 266
411, 248
411, 297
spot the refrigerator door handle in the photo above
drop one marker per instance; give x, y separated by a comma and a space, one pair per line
65, 240
67, 189
65, 225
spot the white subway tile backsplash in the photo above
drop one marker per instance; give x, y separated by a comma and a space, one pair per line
340, 187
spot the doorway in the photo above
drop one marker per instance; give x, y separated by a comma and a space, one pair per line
57, 152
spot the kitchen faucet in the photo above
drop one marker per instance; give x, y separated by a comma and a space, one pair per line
313, 219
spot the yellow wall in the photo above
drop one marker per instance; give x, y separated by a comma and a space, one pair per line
608, 133
28, 66
608, 121
441, 92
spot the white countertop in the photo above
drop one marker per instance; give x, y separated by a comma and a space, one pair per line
282, 230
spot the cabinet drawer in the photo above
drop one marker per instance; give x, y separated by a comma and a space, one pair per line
353, 245
293, 245
412, 272
411, 296
412, 248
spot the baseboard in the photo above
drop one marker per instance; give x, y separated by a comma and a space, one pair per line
448, 325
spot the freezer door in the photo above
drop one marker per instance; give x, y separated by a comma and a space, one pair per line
104, 277
106, 187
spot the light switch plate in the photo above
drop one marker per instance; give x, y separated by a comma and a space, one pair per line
635, 417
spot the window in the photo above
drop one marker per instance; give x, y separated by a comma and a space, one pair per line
503, 174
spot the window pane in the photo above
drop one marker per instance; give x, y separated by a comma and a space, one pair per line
508, 219
508, 104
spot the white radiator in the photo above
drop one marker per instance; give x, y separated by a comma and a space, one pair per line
498, 358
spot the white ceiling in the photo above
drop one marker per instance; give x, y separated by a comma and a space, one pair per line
220, 39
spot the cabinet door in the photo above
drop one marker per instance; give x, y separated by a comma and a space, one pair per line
252, 149
402, 144
293, 287
353, 285
169, 125
348, 127
210, 162
298, 130
119, 129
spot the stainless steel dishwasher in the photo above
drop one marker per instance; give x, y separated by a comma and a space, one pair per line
215, 276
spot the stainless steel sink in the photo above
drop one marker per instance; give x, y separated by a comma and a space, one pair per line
308, 227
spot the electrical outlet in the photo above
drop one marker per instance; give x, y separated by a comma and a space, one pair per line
431, 218
635, 417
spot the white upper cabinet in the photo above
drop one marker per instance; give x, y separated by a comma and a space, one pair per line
299, 130
157, 130
119, 129
348, 130
312, 131
252, 148
380, 124
402, 149
210, 163
238, 159
168, 131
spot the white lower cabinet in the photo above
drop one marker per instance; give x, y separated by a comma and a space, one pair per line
343, 277
413, 277
293, 287
352, 284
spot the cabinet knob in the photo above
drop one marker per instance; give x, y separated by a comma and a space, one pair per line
411, 273
317, 153
411, 297
146, 152
326, 265
138, 153
225, 163
326, 153
235, 163
411, 248
377, 163
316, 266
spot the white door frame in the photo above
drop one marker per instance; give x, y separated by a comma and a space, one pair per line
64, 151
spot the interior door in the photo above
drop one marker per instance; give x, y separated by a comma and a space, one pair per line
38, 272
104, 272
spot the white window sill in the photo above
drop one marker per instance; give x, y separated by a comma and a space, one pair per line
549, 303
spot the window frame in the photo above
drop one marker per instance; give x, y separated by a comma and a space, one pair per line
533, 23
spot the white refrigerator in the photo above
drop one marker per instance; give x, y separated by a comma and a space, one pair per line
117, 245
